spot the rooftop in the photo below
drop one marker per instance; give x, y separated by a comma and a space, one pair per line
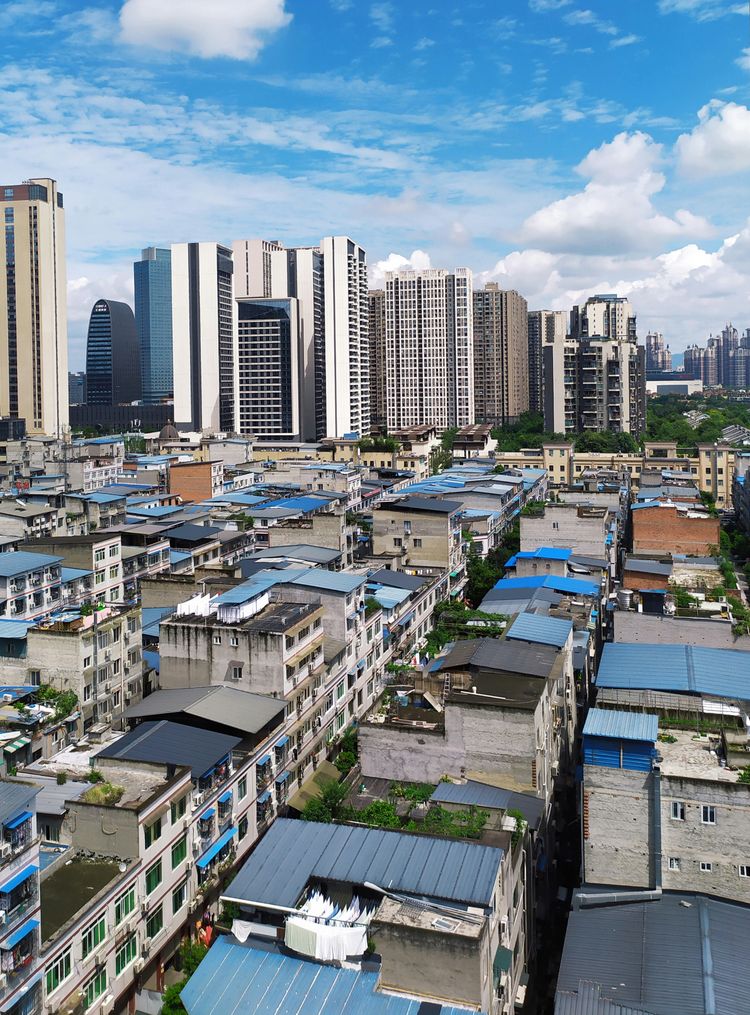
540, 629
678, 955
242, 711
17, 562
693, 757
602, 722
169, 743
293, 852
70, 887
239, 978
683, 668
480, 794
430, 504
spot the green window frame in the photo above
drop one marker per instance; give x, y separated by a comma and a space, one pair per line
124, 905
179, 895
93, 936
95, 987
155, 922
58, 972
153, 877
178, 809
179, 851
152, 832
126, 954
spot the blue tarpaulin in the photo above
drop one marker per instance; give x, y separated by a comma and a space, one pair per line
207, 815
283, 777
19, 819
217, 847
20, 934
225, 797
22, 876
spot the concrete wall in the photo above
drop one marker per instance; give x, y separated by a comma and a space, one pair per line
561, 527
107, 831
433, 530
616, 823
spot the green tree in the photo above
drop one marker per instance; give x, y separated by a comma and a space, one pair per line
170, 1002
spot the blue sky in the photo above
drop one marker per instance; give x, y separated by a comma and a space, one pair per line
557, 147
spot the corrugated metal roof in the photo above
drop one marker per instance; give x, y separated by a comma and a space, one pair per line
243, 711
235, 978
292, 852
574, 586
587, 1000
545, 553
479, 794
691, 668
541, 629
70, 574
15, 628
655, 956
169, 743
14, 798
17, 562
601, 722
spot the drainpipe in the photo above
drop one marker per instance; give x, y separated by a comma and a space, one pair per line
656, 826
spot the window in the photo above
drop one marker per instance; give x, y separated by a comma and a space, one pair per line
86, 662
59, 971
153, 877
93, 936
155, 922
95, 987
179, 894
179, 851
114, 550
125, 955
113, 572
397, 541
674, 863
242, 828
678, 810
706, 867
242, 788
236, 673
234, 641
178, 809
99, 556
124, 905
152, 832
417, 543
744, 870
708, 814
217, 639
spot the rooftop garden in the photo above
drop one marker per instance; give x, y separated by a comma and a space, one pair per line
457, 622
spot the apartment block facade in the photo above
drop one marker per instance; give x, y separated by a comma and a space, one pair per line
501, 355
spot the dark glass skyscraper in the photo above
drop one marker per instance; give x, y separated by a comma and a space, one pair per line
153, 315
113, 369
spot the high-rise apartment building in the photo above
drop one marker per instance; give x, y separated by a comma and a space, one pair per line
113, 366
266, 269
429, 348
605, 315
545, 326
203, 336
347, 340
501, 355
595, 379
378, 381
269, 368
77, 388
33, 310
658, 356
152, 276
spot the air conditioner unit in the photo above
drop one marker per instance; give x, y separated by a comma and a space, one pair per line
107, 653
108, 1004
3, 916
314, 694
196, 847
144, 909
555, 769
3, 981
107, 717
146, 947
6, 849
138, 965
197, 800
189, 866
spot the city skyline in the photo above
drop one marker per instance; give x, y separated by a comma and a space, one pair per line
255, 128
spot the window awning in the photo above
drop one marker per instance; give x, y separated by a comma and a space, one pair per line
455, 592
264, 797
9, 1003
265, 760
16, 745
502, 961
282, 743
18, 935
454, 574
217, 847
225, 797
207, 815
19, 879
407, 619
19, 819
283, 777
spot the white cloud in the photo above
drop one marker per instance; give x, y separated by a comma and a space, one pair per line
542, 6
743, 60
624, 40
230, 28
720, 144
418, 259
701, 10
615, 212
587, 17
381, 15
424, 43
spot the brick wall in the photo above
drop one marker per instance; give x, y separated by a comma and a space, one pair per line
191, 481
665, 530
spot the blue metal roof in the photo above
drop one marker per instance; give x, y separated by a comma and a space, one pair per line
545, 553
541, 630
16, 629
103, 498
292, 852
20, 877
575, 586
602, 722
681, 668
70, 574
18, 935
239, 978
18, 562
479, 794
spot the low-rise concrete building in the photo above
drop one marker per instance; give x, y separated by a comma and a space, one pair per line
30, 585
100, 552
421, 534
660, 526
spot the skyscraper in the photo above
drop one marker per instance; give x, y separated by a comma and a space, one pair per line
152, 276
658, 356
501, 355
113, 367
269, 400
605, 315
203, 336
77, 388
378, 379
33, 312
252, 267
429, 348
545, 327
347, 346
